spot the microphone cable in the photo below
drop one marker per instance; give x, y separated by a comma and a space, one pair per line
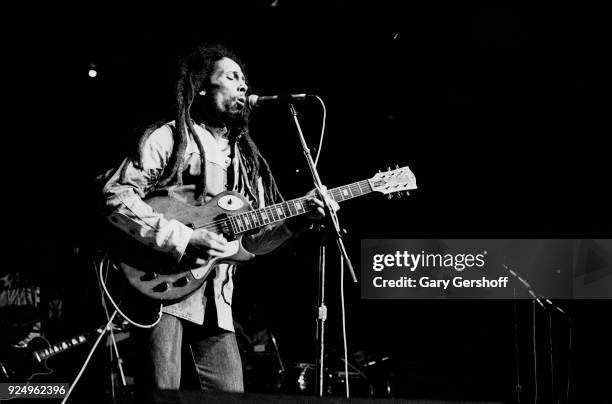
322, 129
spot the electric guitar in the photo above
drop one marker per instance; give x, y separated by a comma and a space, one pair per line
24, 364
155, 278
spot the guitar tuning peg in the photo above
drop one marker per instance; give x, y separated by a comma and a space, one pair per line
397, 166
389, 168
389, 196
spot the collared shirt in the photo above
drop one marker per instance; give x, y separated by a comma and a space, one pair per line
126, 188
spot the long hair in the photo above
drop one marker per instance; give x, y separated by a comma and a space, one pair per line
194, 74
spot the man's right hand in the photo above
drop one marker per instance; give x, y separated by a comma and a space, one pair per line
206, 244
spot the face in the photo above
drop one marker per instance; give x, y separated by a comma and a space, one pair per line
227, 90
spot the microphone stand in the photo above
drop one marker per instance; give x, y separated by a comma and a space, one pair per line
537, 298
107, 328
333, 226
321, 317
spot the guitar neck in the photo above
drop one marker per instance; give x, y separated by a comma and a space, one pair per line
254, 219
42, 354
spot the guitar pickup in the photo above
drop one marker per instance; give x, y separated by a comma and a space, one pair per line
162, 287
181, 282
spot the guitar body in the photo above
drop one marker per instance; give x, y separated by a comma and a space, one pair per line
20, 365
158, 280
153, 275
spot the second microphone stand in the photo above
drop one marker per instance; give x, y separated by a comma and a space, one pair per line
333, 227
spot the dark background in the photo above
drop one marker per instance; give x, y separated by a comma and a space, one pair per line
496, 109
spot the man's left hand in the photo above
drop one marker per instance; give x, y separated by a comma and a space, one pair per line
304, 222
315, 198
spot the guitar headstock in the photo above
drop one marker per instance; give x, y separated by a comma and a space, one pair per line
399, 181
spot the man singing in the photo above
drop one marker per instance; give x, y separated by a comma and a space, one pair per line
206, 145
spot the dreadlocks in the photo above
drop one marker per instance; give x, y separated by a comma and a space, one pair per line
194, 74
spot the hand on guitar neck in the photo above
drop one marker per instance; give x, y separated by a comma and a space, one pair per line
319, 212
303, 222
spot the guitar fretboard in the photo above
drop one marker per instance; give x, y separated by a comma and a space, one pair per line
46, 353
254, 219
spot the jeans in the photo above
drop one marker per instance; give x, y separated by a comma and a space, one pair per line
213, 351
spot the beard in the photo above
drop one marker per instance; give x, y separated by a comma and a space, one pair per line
205, 110
237, 119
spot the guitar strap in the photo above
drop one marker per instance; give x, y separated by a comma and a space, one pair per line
231, 174
242, 184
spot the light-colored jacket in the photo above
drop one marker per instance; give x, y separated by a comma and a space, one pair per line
126, 188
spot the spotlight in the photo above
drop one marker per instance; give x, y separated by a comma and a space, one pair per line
93, 72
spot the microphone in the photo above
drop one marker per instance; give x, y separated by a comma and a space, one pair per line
539, 299
554, 306
526, 285
254, 101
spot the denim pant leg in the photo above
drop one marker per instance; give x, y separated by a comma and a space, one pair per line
217, 361
160, 349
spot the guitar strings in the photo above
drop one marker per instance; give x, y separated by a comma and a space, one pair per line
227, 221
